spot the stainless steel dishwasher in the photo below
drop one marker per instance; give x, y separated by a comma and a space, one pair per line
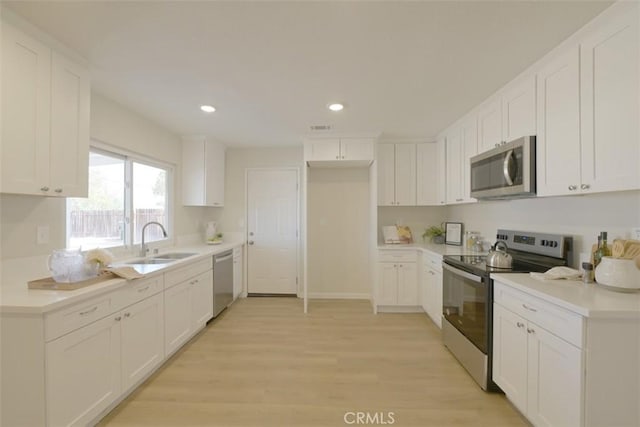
222, 281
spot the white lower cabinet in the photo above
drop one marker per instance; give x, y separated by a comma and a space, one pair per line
432, 279
397, 279
237, 273
83, 372
142, 339
188, 306
561, 368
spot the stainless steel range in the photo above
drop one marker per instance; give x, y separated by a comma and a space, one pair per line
467, 322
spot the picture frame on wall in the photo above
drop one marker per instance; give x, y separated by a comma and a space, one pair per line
453, 233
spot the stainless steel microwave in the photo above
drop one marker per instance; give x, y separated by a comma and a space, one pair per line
507, 171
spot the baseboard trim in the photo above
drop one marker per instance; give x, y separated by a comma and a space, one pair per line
337, 295
400, 309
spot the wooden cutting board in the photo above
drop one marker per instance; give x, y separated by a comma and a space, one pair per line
49, 284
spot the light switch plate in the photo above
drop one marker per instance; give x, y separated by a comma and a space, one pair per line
42, 234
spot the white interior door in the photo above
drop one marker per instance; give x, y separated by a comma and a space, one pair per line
272, 225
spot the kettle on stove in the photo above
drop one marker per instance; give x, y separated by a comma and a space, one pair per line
498, 256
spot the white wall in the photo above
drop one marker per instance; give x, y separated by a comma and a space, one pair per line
417, 218
583, 217
233, 216
338, 232
111, 124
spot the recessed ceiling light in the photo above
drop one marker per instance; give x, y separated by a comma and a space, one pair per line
335, 107
207, 108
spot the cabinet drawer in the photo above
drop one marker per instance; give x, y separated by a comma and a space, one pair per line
432, 261
563, 323
181, 274
397, 256
71, 318
137, 290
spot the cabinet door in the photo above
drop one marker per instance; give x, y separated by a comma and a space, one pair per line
356, 149
325, 149
387, 284
454, 167
142, 339
215, 167
469, 148
555, 380
519, 109
441, 172
405, 167
26, 95
558, 126
201, 299
177, 316
426, 174
408, 284
435, 298
386, 175
193, 171
237, 273
489, 125
510, 355
83, 372
423, 289
610, 96
69, 152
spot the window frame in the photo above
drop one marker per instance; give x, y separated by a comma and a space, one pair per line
130, 158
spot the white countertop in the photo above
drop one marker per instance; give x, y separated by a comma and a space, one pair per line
587, 300
16, 297
433, 248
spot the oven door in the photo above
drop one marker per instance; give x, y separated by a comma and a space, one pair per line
466, 303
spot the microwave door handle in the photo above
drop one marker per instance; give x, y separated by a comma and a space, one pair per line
505, 167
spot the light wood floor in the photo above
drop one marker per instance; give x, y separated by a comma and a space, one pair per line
264, 363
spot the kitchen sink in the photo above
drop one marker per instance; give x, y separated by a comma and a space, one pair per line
175, 255
151, 261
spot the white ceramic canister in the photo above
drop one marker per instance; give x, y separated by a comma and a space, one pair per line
620, 274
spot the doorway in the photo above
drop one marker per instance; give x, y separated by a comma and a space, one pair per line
272, 231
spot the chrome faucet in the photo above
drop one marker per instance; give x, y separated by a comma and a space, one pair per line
143, 247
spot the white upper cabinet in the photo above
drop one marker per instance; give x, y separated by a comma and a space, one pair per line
454, 166
396, 174
610, 94
519, 109
45, 116
202, 172
427, 174
469, 148
558, 128
339, 152
441, 172
490, 124
588, 109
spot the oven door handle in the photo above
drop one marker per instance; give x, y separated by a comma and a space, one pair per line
462, 273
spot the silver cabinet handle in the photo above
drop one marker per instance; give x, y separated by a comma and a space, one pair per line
506, 166
342, 157
251, 233
127, 314
520, 324
58, 190
585, 186
119, 318
529, 308
45, 188
531, 331
251, 242
84, 313
497, 145
573, 187
337, 157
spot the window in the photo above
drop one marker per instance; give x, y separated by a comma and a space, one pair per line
124, 194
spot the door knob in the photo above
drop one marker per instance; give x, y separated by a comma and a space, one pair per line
251, 242
585, 186
251, 233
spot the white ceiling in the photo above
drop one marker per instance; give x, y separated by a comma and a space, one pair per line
406, 69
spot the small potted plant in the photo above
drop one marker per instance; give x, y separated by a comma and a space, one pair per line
435, 233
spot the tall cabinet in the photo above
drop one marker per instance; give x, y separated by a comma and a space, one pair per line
45, 116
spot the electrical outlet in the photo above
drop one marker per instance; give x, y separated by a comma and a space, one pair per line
42, 234
635, 233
